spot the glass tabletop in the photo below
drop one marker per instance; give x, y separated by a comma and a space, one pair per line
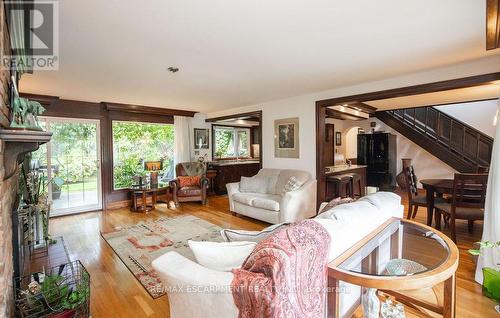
400, 249
149, 186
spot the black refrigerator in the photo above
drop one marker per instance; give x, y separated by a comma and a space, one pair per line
378, 152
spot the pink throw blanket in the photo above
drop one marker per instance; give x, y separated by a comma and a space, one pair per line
285, 275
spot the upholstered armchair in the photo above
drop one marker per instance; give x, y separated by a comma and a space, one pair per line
190, 184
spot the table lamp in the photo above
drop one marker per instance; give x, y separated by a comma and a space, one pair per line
153, 167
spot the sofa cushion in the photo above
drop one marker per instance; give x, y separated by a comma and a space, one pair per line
221, 256
269, 202
230, 235
273, 175
333, 203
189, 181
285, 174
246, 198
259, 200
292, 184
189, 191
258, 184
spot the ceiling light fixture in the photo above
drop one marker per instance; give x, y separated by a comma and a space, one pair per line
173, 69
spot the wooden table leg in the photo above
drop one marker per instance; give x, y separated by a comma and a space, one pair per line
333, 305
430, 205
449, 297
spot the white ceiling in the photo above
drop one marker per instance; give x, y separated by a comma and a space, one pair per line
233, 52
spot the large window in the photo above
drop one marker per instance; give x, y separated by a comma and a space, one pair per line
231, 142
136, 142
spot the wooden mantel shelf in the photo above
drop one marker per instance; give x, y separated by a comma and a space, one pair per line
17, 144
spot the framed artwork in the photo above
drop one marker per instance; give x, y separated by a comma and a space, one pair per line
361, 131
338, 138
286, 138
201, 138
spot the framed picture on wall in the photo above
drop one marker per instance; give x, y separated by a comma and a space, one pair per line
286, 138
338, 138
201, 138
361, 131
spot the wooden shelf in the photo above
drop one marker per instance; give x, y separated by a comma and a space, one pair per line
17, 144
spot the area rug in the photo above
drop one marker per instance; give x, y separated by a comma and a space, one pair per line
138, 245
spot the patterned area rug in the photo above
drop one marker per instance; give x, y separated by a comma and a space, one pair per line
138, 245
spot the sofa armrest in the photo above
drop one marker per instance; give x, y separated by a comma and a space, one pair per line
299, 204
232, 188
195, 291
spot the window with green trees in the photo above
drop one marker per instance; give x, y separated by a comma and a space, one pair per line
136, 142
231, 142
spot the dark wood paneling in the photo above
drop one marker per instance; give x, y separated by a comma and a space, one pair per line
232, 173
147, 110
492, 24
471, 81
441, 152
255, 115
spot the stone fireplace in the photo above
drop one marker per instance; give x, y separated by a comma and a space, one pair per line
8, 188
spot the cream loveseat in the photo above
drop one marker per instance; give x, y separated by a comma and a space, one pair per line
266, 197
195, 291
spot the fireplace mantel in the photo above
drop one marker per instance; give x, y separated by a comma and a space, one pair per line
17, 144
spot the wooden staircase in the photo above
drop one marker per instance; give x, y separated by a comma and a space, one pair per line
457, 144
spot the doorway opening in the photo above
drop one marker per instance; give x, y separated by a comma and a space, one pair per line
71, 160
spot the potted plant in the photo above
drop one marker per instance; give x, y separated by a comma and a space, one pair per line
491, 276
63, 293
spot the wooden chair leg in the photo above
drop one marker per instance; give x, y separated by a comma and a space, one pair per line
453, 230
410, 209
470, 225
415, 210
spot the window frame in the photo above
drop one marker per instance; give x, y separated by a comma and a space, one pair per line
235, 130
115, 116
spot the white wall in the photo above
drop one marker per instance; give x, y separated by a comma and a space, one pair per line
198, 121
304, 108
479, 115
351, 141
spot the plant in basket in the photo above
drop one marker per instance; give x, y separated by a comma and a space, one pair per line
62, 294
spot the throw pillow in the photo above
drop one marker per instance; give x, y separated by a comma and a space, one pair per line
189, 181
333, 203
221, 256
255, 184
230, 235
292, 184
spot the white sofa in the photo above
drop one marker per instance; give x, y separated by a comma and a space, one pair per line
271, 204
198, 292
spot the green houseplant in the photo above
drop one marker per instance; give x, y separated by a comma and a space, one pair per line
491, 276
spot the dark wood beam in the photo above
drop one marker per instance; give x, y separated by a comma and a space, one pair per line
492, 24
128, 108
255, 114
477, 80
42, 99
332, 113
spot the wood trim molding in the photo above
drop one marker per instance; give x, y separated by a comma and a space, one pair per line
235, 116
128, 108
470, 81
492, 24
42, 99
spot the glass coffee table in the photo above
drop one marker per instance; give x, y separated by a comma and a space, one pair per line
400, 255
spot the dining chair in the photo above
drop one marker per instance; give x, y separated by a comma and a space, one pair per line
468, 196
414, 199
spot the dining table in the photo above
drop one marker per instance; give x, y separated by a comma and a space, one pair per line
435, 187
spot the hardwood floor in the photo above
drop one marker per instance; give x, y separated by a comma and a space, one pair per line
116, 293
